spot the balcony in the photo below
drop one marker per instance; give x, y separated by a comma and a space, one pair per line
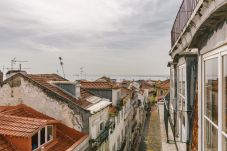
186, 9
103, 136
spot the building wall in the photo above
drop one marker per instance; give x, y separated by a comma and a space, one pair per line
95, 121
102, 93
117, 133
216, 38
32, 96
116, 93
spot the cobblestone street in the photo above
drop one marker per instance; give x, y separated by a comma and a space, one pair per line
151, 137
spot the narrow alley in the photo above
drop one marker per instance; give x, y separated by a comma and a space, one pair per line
151, 140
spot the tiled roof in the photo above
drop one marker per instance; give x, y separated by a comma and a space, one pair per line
164, 85
104, 79
65, 136
98, 85
145, 85
5, 145
112, 109
20, 126
84, 93
44, 79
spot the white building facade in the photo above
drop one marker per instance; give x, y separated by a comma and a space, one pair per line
198, 73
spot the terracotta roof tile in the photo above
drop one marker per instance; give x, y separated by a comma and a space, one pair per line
45, 79
20, 126
26, 120
98, 85
164, 85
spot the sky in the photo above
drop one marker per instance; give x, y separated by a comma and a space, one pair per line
103, 36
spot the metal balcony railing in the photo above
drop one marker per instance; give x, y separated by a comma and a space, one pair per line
186, 9
103, 136
178, 114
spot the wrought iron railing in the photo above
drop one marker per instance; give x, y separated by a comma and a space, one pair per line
174, 126
186, 9
103, 136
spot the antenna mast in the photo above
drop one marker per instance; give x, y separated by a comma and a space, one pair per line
62, 66
14, 61
81, 72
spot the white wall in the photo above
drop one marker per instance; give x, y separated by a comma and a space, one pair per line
35, 98
119, 127
95, 121
116, 93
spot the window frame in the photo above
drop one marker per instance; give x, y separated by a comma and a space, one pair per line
39, 138
183, 133
218, 53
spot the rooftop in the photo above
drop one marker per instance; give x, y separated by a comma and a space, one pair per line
44, 81
98, 85
22, 121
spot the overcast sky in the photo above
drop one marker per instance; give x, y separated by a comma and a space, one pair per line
103, 36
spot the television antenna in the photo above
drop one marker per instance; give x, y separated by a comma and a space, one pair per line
62, 66
81, 72
14, 61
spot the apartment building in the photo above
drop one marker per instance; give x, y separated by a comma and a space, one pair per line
198, 69
127, 111
56, 97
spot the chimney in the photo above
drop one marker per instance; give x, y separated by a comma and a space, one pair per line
1, 76
77, 89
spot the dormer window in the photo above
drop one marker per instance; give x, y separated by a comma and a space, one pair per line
42, 137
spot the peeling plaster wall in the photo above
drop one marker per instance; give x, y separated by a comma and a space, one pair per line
35, 98
117, 133
96, 120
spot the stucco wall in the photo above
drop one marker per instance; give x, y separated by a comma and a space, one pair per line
95, 121
117, 133
216, 38
116, 96
32, 96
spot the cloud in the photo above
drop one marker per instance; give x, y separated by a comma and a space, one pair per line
111, 36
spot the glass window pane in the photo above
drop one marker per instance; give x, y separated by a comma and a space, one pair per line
35, 141
42, 136
224, 92
183, 81
211, 89
49, 133
224, 143
210, 137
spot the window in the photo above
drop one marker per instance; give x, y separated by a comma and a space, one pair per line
211, 89
214, 101
102, 126
211, 104
35, 141
211, 137
49, 133
181, 102
43, 136
224, 143
224, 95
